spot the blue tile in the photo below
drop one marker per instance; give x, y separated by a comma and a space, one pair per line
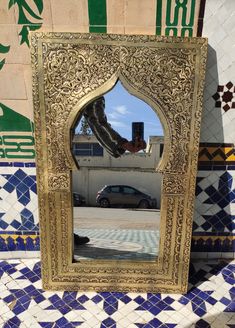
9, 325
211, 300
54, 298
82, 299
34, 188
110, 309
198, 301
108, 323
200, 311
6, 164
155, 310
14, 180
139, 300
230, 307
65, 309
125, 299
11, 271
15, 224
62, 321
8, 187
29, 289
111, 300
20, 245
24, 299
97, 299
11, 246
3, 245
155, 323
19, 293
145, 306
9, 299
20, 174
40, 298
3, 224
22, 187
225, 301
29, 181
46, 324
202, 324
18, 164
169, 300
154, 298
14, 321
18, 309
24, 200
30, 165
230, 281
76, 306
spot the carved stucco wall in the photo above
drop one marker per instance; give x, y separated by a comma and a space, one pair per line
214, 211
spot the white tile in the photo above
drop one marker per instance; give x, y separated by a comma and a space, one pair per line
94, 322
87, 315
125, 322
214, 255
7, 315
145, 315
117, 316
164, 316
128, 308
133, 317
4, 308
199, 255
227, 255
70, 316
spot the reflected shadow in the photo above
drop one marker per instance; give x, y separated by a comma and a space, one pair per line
86, 252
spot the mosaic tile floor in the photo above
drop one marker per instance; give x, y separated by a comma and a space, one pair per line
118, 244
210, 302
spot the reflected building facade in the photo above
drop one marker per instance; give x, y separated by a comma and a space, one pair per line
98, 168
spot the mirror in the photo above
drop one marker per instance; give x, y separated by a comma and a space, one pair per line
116, 201
70, 72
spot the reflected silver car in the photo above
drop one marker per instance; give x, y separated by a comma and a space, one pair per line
114, 195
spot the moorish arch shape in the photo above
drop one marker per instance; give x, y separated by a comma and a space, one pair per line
71, 69
76, 113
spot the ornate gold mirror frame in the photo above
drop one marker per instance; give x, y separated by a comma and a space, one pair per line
71, 69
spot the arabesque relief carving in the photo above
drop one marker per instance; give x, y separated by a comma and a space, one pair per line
70, 70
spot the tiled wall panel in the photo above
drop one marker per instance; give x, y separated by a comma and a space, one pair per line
214, 205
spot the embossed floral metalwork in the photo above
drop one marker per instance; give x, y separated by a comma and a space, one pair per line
68, 71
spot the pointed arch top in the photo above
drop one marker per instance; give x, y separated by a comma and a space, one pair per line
103, 89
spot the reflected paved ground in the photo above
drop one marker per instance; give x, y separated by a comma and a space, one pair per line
117, 233
116, 218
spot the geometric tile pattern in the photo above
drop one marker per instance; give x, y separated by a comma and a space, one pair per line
119, 244
206, 243
225, 96
214, 154
18, 208
214, 210
18, 241
215, 196
209, 302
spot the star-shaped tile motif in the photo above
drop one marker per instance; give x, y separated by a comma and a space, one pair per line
225, 96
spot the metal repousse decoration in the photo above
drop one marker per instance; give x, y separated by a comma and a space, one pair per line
69, 70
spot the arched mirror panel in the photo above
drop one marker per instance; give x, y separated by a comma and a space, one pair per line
75, 74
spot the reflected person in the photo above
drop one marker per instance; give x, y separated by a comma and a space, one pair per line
115, 144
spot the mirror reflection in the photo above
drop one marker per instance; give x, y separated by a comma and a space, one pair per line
117, 143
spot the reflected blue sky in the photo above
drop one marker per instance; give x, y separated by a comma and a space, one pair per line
122, 109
